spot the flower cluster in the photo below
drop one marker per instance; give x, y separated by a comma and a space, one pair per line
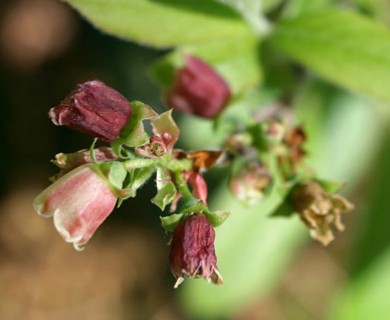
91, 182
263, 156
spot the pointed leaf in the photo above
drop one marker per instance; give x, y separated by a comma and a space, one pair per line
165, 195
170, 222
166, 189
163, 23
165, 127
216, 218
134, 135
343, 47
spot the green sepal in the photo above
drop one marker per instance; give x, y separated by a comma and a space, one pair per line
165, 195
166, 189
170, 222
92, 151
330, 186
164, 124
193, 206
134, 180
285, 209
115, 173
134, 135
216, 218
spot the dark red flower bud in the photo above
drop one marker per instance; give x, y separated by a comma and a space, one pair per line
198, 89
192, 250
95, 109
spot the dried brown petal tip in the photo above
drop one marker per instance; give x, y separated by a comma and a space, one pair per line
192, 251
198, 89
319, 210
95, 109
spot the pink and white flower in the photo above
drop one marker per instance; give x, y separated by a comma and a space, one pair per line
79, 202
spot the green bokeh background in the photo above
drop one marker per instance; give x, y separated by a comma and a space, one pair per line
272, 269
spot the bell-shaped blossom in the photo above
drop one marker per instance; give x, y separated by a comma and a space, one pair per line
198, 89
192, 250
95, 109
79, 202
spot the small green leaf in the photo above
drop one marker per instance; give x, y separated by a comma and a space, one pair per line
194, 206
330, 186
165, 195
216, 218
163, 23
164, 126
116, 173
170, 222
134, 135
285, 209
343, 47
166, 189
140, 176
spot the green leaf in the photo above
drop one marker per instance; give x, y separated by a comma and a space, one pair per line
140, 176
166, 189
329, 185
170, 222
164, 126
165, 195
341, 46
285, 209
235, 59
365, 294
134, 135
116, 173
163, 23
216, 218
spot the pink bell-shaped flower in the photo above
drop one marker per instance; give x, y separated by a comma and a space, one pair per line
79, 202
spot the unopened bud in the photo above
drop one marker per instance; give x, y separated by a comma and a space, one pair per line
192, 250
198, 89
95, 109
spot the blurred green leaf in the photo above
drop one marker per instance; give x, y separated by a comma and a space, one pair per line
163, 23
344, 131
341, 46
365, 295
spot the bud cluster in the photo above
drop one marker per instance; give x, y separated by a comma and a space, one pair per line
91, 182
265, 156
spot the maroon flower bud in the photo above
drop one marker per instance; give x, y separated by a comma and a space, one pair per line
95, 109
192, 250
198, 89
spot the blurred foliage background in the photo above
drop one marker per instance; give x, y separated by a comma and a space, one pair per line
272, 269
